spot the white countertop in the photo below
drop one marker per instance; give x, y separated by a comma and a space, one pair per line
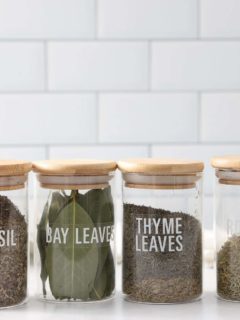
209, 307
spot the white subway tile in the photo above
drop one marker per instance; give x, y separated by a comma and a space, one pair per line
98, 66
22, 66
47, 119
195, 65
47, 19
197, 152
139, 19
220, 117
220, 18
108, 152
148, 118
22, 153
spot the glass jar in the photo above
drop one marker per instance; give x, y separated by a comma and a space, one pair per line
162, 230
74, 254
13, 232
227, 226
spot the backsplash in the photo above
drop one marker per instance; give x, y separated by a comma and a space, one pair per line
120, 78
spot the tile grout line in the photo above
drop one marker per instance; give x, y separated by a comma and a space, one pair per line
47, 151
149, 150
124, 91
199, 117
199, 19
97, 118
46, 87
126, 40
121, 144
96, 18
149, 65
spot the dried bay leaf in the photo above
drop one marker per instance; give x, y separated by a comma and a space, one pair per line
57, 202
99, 204
50, 212
105, 282
41, 242
94, 273
71, 267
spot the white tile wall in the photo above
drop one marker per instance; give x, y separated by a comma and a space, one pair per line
41, 19
220, 117
118, 78
196, 65
139, 19
148, 118
98, 66
108, 152
21, 66
220, 18
47, 119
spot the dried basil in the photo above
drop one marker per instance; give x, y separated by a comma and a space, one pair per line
77, 268
13, 254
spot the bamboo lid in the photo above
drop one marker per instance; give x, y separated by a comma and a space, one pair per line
74, 167
14, 167
160, 166
226, 162
13, 174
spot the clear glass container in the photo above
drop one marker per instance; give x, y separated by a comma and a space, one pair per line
227, 226
162, 230
74, 252
13, 232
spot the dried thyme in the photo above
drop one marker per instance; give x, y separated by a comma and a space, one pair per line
13, 254
162, 255
228, 269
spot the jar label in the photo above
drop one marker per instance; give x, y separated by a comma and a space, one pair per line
159, 234
80, 235
8, 238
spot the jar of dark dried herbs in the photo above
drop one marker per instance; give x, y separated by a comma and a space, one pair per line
75, 230
13, 232
162, 230
227, 226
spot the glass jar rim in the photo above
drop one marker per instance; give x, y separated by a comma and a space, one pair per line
74, 182
12, 182
143, 181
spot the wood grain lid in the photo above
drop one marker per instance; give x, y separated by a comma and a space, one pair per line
74, 167
226, 162
14, 167
160, 166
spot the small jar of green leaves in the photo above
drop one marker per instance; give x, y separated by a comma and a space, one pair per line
74, 247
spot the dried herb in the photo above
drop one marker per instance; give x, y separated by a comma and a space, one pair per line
228, 269
13, 254
50, 212
75, 267
162, 259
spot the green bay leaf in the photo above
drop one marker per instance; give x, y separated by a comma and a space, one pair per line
71, 267
56, 202
41, 242
99, 205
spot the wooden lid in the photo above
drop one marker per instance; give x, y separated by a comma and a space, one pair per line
74, 167
160, 166
226, 162
14, 167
